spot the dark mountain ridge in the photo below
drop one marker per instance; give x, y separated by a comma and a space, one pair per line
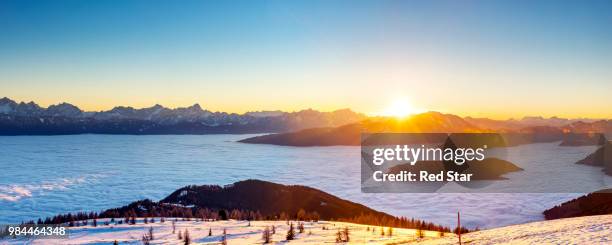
341, 127
268, 198
31, 119
578, 133
596, 203
252, 200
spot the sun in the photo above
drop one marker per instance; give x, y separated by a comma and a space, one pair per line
400, 108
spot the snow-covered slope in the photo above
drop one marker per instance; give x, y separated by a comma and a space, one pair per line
582, 230
238, 232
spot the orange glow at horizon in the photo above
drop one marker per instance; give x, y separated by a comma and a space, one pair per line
401, 108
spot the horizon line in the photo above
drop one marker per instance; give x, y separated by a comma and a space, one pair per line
369, 115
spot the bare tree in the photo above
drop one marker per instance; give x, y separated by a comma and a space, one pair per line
187, 238
146, 240
343, 235
224, 238
266, 235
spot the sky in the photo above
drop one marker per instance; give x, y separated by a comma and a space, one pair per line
496, 59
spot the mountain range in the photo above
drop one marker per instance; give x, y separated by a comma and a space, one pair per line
435, 122
337, 127
31, 119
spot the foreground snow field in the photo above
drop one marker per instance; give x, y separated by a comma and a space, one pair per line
582, 230
238, 232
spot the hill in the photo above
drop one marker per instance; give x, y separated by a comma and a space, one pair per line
596, 203
270, 199
602, 157
248, 200
581, 230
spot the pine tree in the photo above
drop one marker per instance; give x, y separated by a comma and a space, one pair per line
301, 227
315, 216
151, 233
145, 240
180, 235
301, 214
209, 231
283, 216
290, 233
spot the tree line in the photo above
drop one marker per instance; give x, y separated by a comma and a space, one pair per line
148, 209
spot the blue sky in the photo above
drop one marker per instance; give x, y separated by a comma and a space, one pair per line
482, 58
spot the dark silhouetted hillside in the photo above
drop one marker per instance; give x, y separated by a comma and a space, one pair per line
268, 198
595, 203
602, 157
249, 199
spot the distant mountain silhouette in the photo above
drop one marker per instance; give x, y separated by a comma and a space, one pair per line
429, 122
487, 169
533, 121
599, 126
31, 119
351, 134
341, 127
596, 203
602, 157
